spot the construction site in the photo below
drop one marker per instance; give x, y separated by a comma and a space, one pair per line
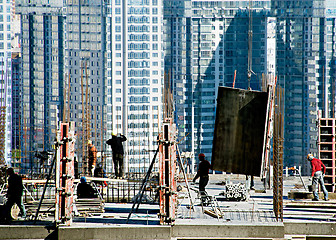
166, 204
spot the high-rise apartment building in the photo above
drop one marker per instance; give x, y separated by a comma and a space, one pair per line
134, 78
5, 81
206, 43
104, 61
306, 69
84, 93
42, 47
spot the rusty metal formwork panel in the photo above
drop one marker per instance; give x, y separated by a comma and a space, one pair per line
239, 131
278, 139
167, 169
65, 173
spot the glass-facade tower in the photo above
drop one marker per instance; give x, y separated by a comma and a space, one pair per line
206, 42
305, 69
42, 50
85, 75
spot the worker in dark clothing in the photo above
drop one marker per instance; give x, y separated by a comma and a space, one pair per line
100, 172
317, 175
116, 143
85, 190
14, 192
203, 174
92, 157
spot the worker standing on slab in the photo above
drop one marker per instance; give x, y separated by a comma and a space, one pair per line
92, 150
14, 192
203, 174
317, 175
116, 143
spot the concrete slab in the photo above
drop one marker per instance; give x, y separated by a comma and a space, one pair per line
242, 220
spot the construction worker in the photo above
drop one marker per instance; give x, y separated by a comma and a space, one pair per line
317, 175
116, 143
92, 157
203, 174
14, 193
85, 190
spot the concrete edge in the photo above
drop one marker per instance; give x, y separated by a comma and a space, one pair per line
323, 228
115, 232
229, 231
23, 232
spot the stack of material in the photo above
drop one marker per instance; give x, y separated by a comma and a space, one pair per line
47, 207
235, 192
89, 205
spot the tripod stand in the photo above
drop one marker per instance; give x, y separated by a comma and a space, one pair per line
145, 180
143, 186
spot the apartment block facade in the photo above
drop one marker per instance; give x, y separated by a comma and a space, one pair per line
5, 81
206, 44
306, 71
134, 79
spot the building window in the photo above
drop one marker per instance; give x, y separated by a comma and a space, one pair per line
117, 11
155, 20
155, 46
155, 99
118, 99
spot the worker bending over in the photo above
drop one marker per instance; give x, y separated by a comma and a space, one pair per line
317, 175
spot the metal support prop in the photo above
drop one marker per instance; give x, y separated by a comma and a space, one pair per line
46, 184
265, 168
65, 174
138, 198
185, 178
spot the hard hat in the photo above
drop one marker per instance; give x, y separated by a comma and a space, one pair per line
89, 142
310, 157
201, 155
83, 179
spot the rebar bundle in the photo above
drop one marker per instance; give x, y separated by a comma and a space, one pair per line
278, 137
2, 134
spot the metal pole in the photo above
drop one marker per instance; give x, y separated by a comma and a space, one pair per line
45, 186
